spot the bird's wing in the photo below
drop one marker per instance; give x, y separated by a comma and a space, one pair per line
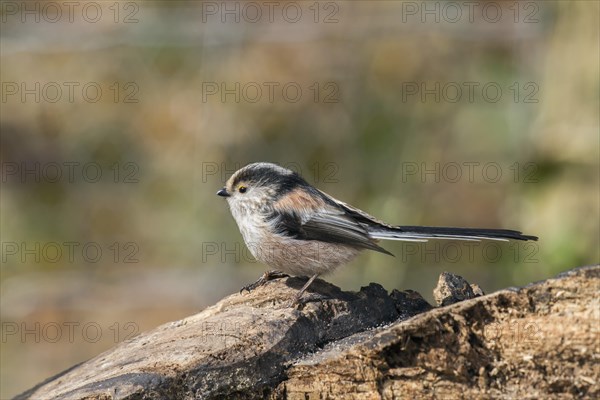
358, 214
314, 218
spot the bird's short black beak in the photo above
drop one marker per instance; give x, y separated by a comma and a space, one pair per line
223, 193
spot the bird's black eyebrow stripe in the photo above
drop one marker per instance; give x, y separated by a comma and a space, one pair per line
267, 176
256, 174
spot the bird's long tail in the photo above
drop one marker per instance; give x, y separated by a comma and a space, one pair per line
424, 233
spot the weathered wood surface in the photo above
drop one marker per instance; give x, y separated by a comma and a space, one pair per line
540, 341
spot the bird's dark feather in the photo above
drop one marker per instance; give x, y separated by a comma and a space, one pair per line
330, 226
434, 231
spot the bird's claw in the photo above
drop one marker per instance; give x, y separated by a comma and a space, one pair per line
266, 277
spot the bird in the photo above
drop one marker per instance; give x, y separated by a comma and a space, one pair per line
297, 229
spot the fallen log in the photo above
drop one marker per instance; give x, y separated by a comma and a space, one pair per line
539, 341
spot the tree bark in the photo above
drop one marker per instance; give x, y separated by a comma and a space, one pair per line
539, 341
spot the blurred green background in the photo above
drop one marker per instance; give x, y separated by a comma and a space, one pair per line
120, 121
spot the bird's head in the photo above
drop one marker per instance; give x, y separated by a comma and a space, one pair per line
257, 186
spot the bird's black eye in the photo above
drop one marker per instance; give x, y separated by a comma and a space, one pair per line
242, 189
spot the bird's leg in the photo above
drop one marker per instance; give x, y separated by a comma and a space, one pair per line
306, 285
264, 278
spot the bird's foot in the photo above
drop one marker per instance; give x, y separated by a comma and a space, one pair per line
266, 277
296, 301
